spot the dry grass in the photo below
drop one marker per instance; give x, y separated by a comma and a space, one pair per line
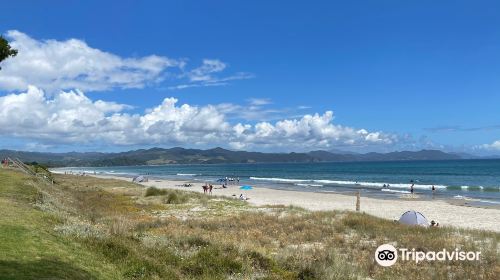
152, 191
166, 234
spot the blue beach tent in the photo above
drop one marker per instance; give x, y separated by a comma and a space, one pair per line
413, 218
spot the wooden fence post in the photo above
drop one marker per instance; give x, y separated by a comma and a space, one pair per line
358, 201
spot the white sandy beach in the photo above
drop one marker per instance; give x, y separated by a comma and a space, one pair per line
441, 211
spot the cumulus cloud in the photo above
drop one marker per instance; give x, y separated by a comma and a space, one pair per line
71, 117
493, 146
53, 65
66, 117
307, 132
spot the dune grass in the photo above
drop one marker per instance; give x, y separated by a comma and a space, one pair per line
153, 191
29, 248
169, 196
85, 228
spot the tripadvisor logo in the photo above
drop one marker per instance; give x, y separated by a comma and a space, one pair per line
387, 255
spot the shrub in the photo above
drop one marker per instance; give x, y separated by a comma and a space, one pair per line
214, 262
152, 191
175, 198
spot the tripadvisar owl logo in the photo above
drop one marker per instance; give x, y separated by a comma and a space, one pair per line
386, 255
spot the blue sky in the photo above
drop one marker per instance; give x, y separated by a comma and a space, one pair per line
422, 74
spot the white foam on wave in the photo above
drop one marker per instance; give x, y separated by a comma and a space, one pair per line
341, 182
380, 185
86, 171
336, 182
489, 201
112, 172
279, 180
405, 186
75, 171
479, 188
308, 185
187, 174
394, 191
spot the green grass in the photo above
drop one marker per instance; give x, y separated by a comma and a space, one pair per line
169, 196
29, 247
118, 230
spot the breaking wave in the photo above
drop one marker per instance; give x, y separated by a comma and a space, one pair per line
187, 174
320, 183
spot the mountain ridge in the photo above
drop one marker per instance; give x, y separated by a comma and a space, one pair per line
178, 155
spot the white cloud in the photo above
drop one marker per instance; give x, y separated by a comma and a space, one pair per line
206, 70
309, 132
493, 146
259, 101
254, 110
54, 65
207, 75
62, 65
71, 117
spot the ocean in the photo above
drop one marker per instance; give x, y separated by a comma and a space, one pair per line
477, 181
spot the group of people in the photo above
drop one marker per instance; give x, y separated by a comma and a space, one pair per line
433, 188
412, 189
228, 181
207, 188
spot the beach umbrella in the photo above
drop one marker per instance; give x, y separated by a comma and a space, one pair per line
246, 188
139, 179
414, 218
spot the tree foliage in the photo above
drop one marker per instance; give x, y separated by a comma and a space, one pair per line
6, 50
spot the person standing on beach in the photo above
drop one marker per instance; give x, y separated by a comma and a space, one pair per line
411, 188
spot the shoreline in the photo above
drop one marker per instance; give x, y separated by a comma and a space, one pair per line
445, 213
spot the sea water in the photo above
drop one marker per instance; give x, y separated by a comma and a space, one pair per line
475, 180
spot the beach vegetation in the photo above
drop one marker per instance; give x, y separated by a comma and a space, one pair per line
90, 228
6, 50
153, 191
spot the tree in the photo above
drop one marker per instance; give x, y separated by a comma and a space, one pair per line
6, 50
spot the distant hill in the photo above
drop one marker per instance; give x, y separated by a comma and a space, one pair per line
158, 156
